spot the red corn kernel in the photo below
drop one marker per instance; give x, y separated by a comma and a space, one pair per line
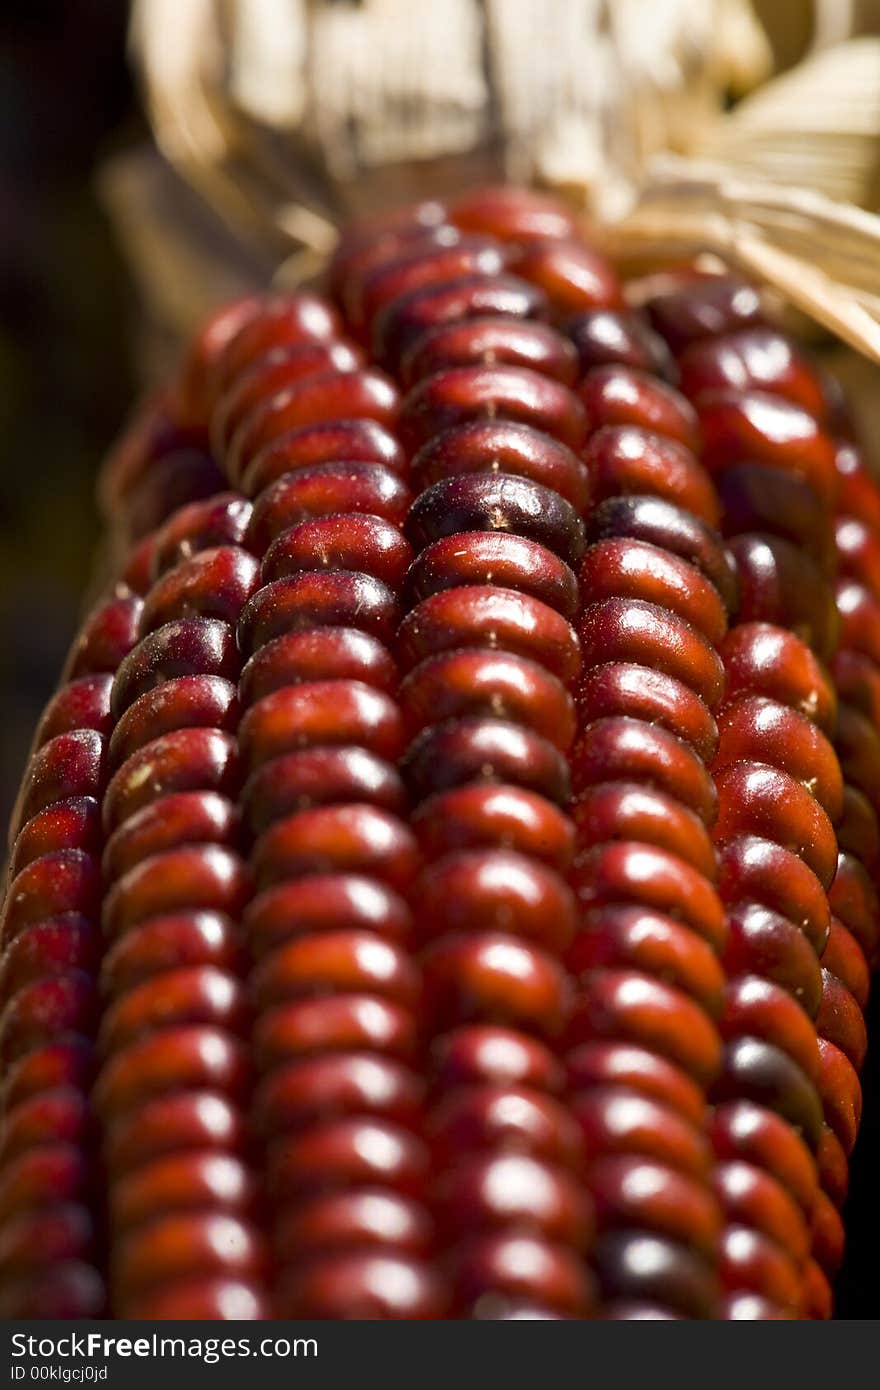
623, 460
506, 446
461, 394
619, 395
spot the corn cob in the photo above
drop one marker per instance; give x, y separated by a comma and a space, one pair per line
762, 400
51, 951
469, 896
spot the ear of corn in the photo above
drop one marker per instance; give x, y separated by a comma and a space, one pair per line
443, 884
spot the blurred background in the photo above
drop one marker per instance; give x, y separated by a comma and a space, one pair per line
68, 317
65, 307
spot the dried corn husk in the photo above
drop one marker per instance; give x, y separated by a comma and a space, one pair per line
822, 257
290, 115
787, 187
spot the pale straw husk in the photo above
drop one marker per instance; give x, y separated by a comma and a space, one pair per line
290, 116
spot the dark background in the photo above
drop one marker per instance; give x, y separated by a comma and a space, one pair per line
66, 381
65, 372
